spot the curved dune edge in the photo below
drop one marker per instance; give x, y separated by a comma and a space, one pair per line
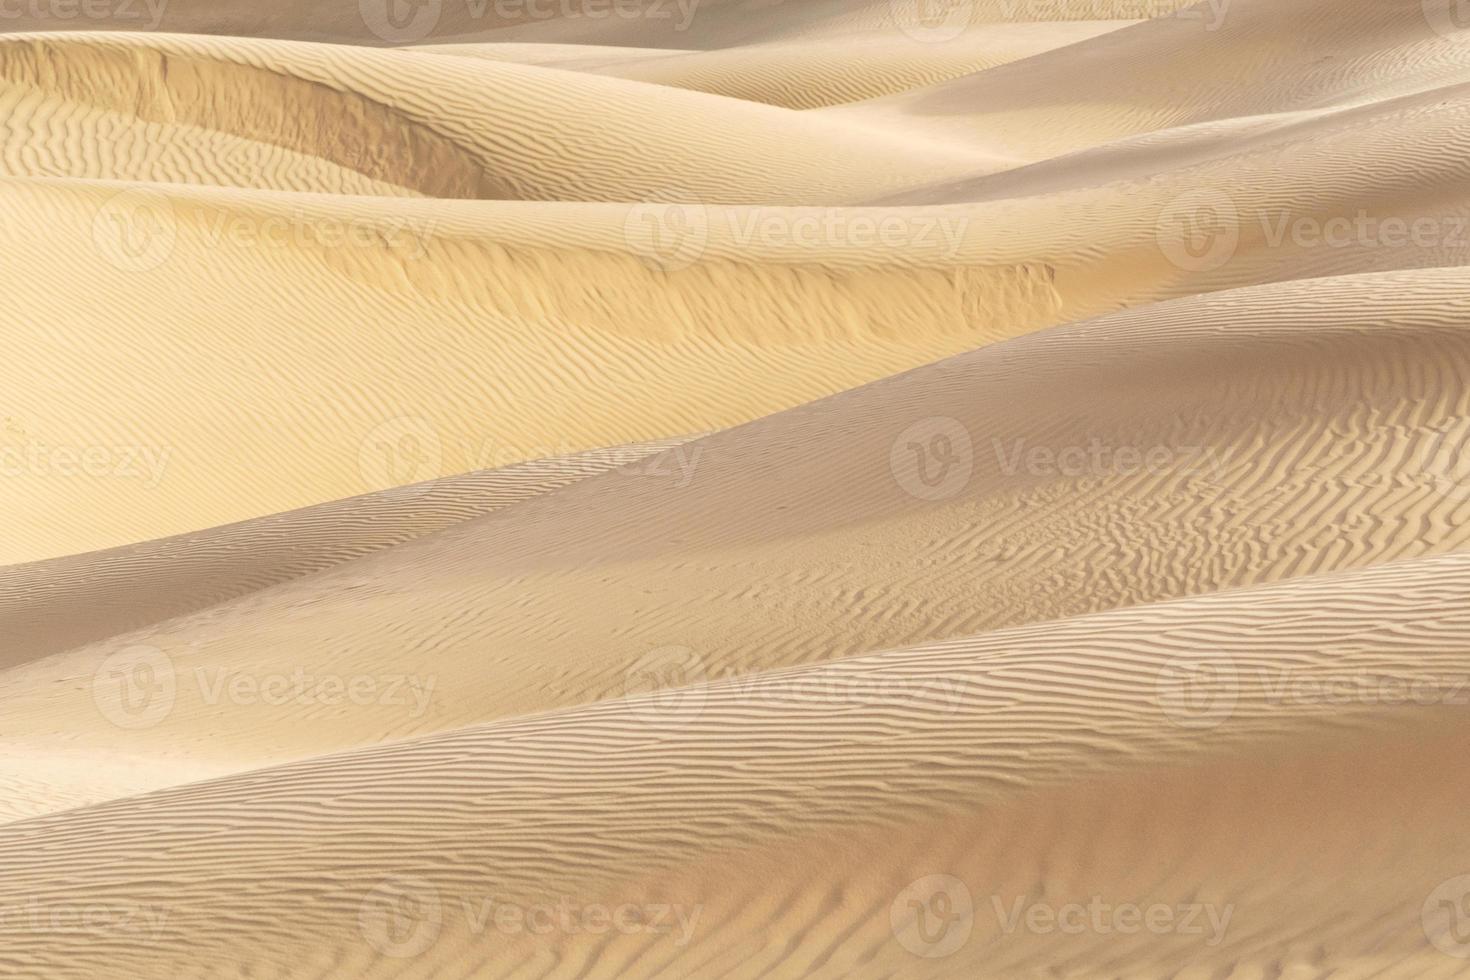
510, 131
552, 329
1288, 430
756, 809
805, 73
52, 605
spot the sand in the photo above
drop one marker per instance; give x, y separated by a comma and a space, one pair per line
827, 489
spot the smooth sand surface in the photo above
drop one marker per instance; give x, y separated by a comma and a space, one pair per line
824, 489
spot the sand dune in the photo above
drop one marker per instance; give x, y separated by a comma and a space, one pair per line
815, 797
838, 488
1245, 60
663, 24
959, 498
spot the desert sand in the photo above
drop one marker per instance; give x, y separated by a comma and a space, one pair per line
666, 489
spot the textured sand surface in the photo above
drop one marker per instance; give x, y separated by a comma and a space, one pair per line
803, 489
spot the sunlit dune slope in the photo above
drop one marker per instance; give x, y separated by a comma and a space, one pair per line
559, 327
781, 825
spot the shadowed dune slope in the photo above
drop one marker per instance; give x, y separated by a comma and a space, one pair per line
1211, 61
52, 605
777, 824
1284, 431
664, 24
